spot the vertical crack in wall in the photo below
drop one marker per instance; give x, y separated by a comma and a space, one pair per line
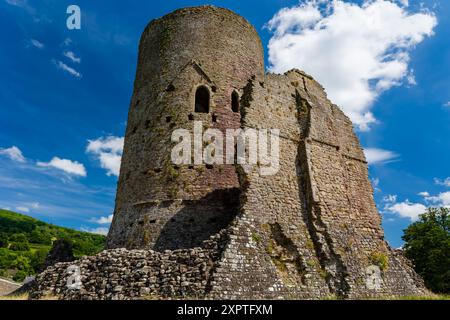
285, 256
334, 269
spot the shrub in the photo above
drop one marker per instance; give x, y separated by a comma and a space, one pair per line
379, 259
19, 246
20, 276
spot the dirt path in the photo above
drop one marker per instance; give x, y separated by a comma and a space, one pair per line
7, 286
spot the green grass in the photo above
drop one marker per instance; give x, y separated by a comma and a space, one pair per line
434, 297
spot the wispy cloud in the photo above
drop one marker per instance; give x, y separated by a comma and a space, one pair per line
108, 150
35, 205
23, 4
378, 156
103, 220
68, 166
17, 3
442, 182
23, 209
390, 198
37, 43
376, 184
99, 230
356, 51
71, 55
67, 42
27, 207
13, 153
62, 66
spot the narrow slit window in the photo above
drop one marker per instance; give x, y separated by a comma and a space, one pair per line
235, 101
202, 100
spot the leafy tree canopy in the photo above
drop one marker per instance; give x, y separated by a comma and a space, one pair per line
427, 245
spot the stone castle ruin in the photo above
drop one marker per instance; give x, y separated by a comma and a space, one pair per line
310, 231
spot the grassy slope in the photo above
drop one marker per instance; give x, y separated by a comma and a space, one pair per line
19, 228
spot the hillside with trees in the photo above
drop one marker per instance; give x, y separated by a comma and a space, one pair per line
25, 243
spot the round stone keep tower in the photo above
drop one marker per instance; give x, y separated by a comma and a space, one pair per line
193, 65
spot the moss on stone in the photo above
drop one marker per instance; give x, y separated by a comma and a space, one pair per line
379, 259
256, 237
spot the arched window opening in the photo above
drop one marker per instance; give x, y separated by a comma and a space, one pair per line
202, 100
235, 101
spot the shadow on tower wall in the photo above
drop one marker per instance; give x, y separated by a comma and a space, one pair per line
198, 220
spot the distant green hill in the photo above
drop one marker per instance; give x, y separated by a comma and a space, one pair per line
25, 242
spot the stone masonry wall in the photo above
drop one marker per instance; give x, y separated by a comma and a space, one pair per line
121, 274
322, 237
310, 231
270, 253
191, 47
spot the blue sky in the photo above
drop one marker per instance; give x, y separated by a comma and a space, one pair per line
64, 95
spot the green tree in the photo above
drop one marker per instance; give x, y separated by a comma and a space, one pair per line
427, 245
3, 240
38, 235
18, 237
19, 246
20, 276
37, 261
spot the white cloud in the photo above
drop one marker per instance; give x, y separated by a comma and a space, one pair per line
407, 209
68, 166
447, 104
445, 182
13, 153
411, 78
108, 151
17, 3
67, 42
424, 194
37, 43
355, 51
377, 156
441, 200
72, 56
21, 4
61, 65
376, 184
35, 205
103, 220
99, 230
23, 209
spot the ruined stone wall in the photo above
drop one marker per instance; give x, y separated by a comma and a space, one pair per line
341, 205
270, 253
311, 230
191, 47
121, 274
